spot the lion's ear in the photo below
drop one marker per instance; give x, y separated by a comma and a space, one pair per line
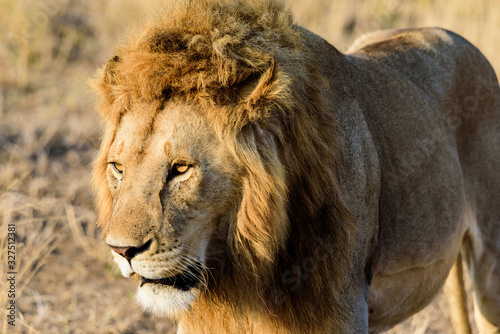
105, 84
257, 86
109, 71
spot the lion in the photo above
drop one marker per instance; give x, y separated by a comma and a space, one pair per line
253, 179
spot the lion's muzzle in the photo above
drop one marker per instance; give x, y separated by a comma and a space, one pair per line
191, 275
130, 252
184, 281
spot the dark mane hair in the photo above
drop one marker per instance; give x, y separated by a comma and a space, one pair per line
243, 61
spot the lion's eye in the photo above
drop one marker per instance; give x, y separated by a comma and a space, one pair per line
117, 167
180, 169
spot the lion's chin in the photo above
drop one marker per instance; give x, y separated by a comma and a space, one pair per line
165, 300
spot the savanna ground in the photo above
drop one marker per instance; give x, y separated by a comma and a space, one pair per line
49, 134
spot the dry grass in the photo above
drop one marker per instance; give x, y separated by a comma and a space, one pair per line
49, 134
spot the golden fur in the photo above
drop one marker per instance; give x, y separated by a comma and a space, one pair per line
280, 203
212, 62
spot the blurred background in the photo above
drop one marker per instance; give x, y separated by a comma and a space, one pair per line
50, 132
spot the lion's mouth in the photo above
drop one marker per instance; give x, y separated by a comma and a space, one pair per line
184, 281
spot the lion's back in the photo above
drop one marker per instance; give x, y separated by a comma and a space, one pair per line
434, 60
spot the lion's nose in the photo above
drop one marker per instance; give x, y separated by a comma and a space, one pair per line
130, 252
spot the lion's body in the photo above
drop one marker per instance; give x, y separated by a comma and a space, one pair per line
432, 105
306, 207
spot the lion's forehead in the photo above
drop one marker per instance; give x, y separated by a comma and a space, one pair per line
174, 132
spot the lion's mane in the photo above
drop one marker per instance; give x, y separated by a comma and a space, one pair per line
244, 63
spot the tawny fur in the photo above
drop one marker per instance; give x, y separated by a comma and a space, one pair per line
240, 60
343, 186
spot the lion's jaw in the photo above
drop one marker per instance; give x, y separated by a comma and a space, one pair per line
163, 220
165, 300
161, 299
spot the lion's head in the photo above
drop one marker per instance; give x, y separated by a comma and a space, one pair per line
174, 189
213, 136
